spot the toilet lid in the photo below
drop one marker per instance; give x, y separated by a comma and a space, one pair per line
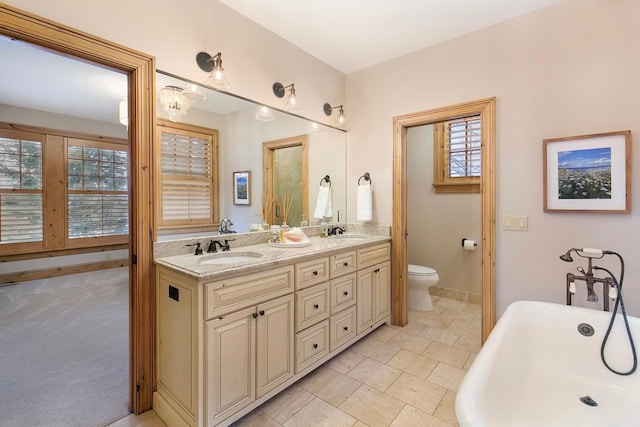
421, 270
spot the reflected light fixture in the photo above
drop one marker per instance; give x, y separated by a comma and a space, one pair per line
213, 65
292, 100
123, 112
174, 102
328, 109
265, 114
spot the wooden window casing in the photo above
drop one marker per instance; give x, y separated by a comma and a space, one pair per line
53, 217
21, 191
457, 155
187, 176
101, 185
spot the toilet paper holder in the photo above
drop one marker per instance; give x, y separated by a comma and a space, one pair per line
464, 240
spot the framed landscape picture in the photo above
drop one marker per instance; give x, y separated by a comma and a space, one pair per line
242, 188
588, 173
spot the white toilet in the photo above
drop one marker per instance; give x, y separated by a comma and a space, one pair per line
420, 279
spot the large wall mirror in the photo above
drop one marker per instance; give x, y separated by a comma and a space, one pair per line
244, 127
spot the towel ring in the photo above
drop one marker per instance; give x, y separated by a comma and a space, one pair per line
326, 179
366, 177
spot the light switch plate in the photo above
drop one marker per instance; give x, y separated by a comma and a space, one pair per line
515, 223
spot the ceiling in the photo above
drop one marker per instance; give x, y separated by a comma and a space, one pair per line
347, 34
351, 35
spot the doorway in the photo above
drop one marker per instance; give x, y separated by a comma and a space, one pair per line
486, 109
15, 23
286, 173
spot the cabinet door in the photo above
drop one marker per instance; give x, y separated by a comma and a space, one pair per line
365, 294
274, 351
230, 364
382, 280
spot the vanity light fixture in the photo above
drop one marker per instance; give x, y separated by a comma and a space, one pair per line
174, 102
265, 114
213, 65
292, 100
328, 109
123, 112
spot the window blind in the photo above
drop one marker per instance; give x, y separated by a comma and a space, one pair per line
20, 190
464, 147
98, 202
187, 187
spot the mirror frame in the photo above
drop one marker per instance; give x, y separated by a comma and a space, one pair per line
140, 69
487, 110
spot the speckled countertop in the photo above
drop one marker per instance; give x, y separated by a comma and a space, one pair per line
265, 256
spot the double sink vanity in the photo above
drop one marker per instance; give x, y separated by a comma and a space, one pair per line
235, 328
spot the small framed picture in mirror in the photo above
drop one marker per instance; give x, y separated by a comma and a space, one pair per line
242, 188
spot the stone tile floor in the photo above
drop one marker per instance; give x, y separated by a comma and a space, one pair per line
396, 376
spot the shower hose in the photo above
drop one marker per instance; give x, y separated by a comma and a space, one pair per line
619, 302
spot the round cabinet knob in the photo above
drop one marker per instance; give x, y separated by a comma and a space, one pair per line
346, 328
346, 264
255, 315
261, 312
316, 306
315, 346
315, 273
345, 293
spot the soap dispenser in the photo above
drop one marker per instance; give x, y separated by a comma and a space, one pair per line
324, 228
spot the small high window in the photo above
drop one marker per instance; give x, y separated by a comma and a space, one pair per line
457, 160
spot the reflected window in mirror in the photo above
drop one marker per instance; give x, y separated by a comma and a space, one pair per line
457, 155
187, 176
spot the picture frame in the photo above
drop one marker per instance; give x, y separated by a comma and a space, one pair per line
588, 173
242, 188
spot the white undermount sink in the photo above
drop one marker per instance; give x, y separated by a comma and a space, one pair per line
232, 258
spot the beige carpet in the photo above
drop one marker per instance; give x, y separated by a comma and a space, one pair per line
64, 346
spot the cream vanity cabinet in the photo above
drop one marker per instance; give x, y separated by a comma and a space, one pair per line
373, 287
246, 341
225, 345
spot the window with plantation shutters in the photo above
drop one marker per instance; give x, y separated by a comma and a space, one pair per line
21, 213
98, 184
457, 159
188, 168
62, 191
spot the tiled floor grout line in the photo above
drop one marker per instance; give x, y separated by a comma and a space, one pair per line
445, 357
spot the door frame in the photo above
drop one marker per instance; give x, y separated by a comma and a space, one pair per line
140, 69
487, 110
268, 158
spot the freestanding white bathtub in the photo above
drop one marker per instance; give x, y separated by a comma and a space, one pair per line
535, 366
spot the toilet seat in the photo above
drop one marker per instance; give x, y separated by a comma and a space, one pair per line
420, 270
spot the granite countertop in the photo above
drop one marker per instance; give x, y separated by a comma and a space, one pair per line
266, 256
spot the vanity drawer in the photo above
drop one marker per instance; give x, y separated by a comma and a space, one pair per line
342, 328
373, 255
228, 295
343, 263
343, 293
312, 306
312, 272
312, 344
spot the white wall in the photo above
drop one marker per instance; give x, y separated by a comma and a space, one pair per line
570, 69
175, 31
437, 223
